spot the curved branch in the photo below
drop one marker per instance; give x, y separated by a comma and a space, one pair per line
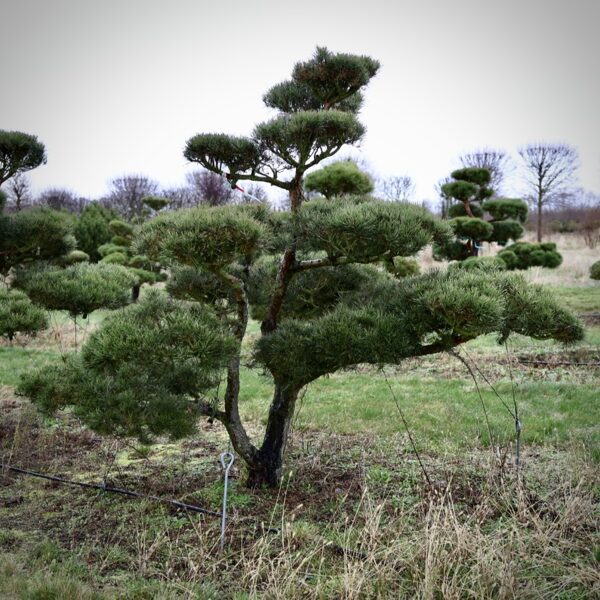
330, 261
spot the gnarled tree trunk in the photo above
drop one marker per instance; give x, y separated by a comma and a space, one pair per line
266, 468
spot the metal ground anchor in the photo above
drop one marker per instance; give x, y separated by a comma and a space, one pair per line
226, 459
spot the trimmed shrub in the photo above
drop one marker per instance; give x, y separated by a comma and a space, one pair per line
79, 289
76, 256
19, 315
405, 267
339, 179
467, 227
481, 263
532, 255
91, 229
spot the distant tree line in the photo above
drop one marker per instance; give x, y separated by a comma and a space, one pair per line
547, 177
127, 192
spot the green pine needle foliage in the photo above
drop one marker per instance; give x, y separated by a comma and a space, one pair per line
338, 179
109, 248
333, 77
39, 234
460, 190
507, 208
121, 229
467, 227
76, 256
304, 134
19, 315
410, 317
199, 285
292, 96
595, 270
202, 237
156, 202
221, 152
400, 266
531, 255
310, 293
481, 263
19, 152
361, 228
91, 229
475, 175
142, 372
504, 231
79, 289
115, 258
459, 210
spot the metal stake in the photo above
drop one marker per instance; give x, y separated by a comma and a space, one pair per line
226, 466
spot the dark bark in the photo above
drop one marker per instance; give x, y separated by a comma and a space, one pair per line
231, 417
269, 323
267, 466
286, 270
135, 292
539, 220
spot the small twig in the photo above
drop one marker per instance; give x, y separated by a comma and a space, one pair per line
410, 437
563, 363
464, 362
516, 409
114, 490
490, 385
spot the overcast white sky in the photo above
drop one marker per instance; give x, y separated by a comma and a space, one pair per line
118, 86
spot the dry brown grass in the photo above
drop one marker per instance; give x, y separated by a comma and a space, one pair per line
339, 528
574, 270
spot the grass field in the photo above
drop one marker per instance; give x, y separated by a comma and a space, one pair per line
356, 516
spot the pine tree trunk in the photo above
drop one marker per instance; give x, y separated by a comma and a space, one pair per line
135, 292
539, 221
267, 465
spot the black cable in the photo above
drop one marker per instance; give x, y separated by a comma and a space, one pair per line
105, 488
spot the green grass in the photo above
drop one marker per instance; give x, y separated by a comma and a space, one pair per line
522, 343
446, 415
578, 299
15, 360
348, 436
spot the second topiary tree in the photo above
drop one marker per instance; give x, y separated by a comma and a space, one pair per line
477, 217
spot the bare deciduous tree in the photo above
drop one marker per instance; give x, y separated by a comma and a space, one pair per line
252, 193
209, 188
180, 197
549, 172
128, 192
397, 189
19, 191
445, 200
61, 199
497, 162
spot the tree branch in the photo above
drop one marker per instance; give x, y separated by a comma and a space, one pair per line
317, 263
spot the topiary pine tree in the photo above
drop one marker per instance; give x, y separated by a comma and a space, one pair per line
339, 179
79, 289
523, 255
91, 229
32, 236
471, 192
19, 152
119, 251
313, 276
19, 315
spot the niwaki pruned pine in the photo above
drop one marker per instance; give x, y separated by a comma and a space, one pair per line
320, 278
